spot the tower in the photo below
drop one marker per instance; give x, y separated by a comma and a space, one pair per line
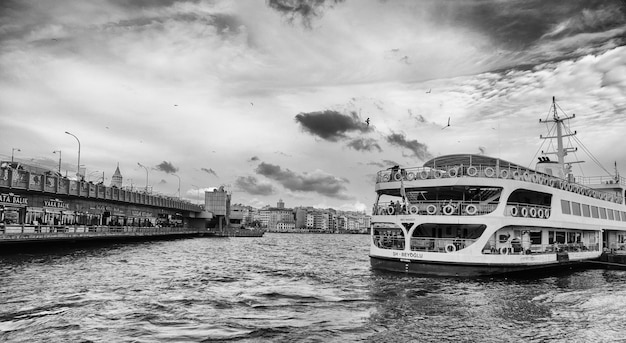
116, 179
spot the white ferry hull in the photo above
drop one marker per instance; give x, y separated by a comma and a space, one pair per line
461, 269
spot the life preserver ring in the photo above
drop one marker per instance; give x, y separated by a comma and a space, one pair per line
514, 211
410, 176
390, 210
413, 209
453, 172
450, 248
524, 211
471, 209
386, 178
472, 171
534, 178
397, 176
431, 209
448, 210
516, 175
526, 176
437, 174
554, 183
504, 251
489, 172
540, 213
504, 173
562, 185
423, 175
546, 214
532, 212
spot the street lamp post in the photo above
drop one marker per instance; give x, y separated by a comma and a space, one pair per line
59, 151
144, 167
178, 185
13, 150
78, 166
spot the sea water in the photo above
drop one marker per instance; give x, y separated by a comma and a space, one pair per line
288, 288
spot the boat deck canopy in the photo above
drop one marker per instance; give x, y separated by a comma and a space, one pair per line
470, 159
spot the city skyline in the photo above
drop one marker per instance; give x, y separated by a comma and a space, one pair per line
301, 100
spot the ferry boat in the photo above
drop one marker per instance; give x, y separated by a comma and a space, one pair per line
474, 215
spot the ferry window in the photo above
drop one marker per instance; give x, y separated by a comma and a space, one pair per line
565, 207
602, 213
594, 212
610, 213
624, 216
503, 238
586, 212
575, 208
560, 237
617, 215
573, 237
535, 237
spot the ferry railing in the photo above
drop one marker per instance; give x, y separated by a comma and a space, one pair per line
431, 244
601, 180
500, 172
449, 208
521, 249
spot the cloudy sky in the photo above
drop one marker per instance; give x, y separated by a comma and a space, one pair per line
271, 98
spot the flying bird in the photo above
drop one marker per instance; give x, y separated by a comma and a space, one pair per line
368, 121
446, 125
429, 90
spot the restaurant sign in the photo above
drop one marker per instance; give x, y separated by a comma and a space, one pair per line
13, 199
55, 203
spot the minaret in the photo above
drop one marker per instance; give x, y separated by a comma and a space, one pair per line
116, 179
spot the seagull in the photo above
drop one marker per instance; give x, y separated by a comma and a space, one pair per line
446, 125
252, 104
429, 90
368, 121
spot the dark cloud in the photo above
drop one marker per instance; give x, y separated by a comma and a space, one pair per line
209, 171
419, 150
519, 24
331, 125
367, 144
251, 185
166, 167
317, 182
305, 10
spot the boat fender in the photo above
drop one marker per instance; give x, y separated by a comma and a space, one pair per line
448, 210
514, 211
532, 212
431, 209
471, 209
453, 172
489, 172
413, 209
540, 213
504, 173
410, 176
397, 176
390, 210
472, 171
524, 211
504, 251
450, 248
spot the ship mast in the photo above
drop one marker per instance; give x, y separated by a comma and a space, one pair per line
561, 151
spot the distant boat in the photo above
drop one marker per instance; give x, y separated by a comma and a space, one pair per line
472, 215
